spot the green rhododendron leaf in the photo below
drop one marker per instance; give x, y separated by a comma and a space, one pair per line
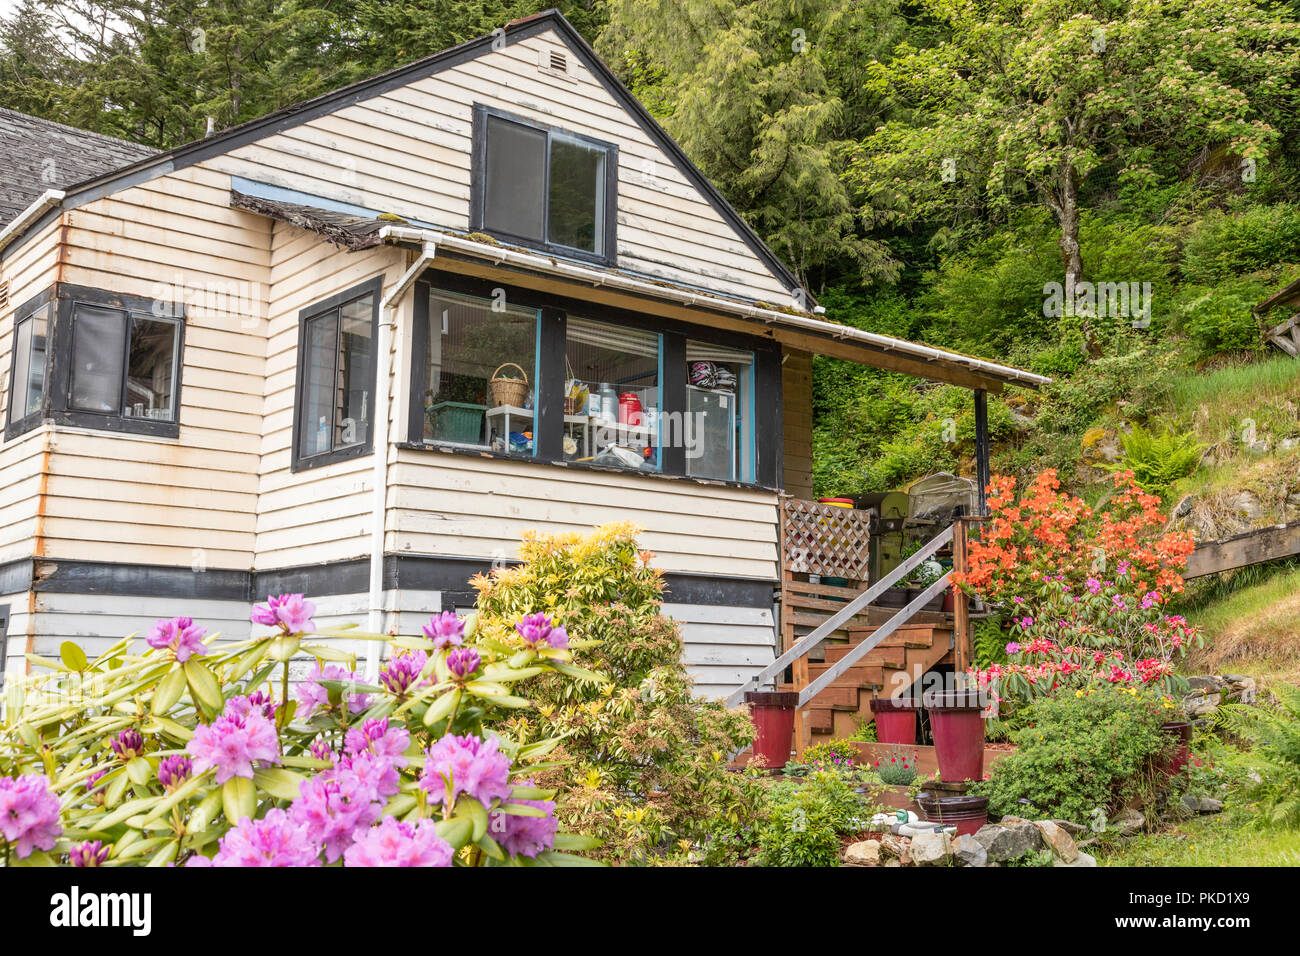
441, 707
283, 648
238, 799
278, 782
579, 673
470, 809
455, 831
491, 848
166, 855
522, 810
203, 685
72, 655
573, 841
168, 691
206, 811
140, 770
556, 858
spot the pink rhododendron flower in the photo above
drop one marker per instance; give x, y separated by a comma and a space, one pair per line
376, 737
292, 613
129, 743
469, 765
333, 805
90, 853
233, 744
174, 770
180, 635
312, 695
403, 672
260, 702
29, 814
538, 631
525, 836
274, 840
394, 843
463, 662
445, 629
1013, 648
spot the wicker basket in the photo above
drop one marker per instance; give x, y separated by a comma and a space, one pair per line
508, 391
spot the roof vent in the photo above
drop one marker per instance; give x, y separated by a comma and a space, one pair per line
554, 62
4, 295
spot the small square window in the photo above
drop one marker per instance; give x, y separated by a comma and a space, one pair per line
31, 337
336, 364
123, 363
545, 187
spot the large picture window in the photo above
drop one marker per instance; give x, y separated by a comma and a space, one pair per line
28, 375
612, 397
509, 370
544, 187
481, 374
336, 377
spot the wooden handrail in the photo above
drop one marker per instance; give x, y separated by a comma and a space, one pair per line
842, 616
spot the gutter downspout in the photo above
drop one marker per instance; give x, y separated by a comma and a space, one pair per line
387, 320
46, 200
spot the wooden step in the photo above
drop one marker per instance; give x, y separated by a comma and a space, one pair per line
859, 675
880, 656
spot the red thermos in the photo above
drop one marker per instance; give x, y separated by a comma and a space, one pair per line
629, 409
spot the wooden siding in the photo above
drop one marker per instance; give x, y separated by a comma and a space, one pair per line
319, 514
29, 272
796, 417
408, 152
450, 504
724, 645
188, 501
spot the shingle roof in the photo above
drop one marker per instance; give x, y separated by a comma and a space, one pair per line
38, 154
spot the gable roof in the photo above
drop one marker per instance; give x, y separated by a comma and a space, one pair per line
253, 130
38, 154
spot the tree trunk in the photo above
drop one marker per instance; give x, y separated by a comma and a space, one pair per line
1069, 219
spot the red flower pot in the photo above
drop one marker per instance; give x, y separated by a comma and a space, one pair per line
966, 812
958, 731
1181, 751
772, 713
895, 719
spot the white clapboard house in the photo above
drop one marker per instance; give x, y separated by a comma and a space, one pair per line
356, 347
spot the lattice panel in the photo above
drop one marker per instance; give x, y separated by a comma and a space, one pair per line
824, 539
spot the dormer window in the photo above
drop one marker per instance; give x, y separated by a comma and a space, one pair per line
543, 187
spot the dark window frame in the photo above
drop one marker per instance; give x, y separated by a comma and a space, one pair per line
767, 418
24, 313
5, 617
478, 188
57, 400
298, 462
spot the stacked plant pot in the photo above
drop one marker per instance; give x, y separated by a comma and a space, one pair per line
957, 724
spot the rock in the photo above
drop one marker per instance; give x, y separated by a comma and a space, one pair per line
1246, 505
1210, 805
1191, 803
1062, 843
1009, 842
865, 853
1208, 683
1082, 859
1127, 822
1184, 507
931, 849
969, 851
893, 863
905, 858
1074, 829
1199, 703
891, 845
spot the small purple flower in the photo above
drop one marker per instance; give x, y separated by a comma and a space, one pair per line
394, 843
174, 770
538, 631
525, 836
234, 743
403, 672
1013, 648
259, 702
320, 750
1093, 586
445, 629
91, 782
469, 765
90, 853
274, 840
376, 737
129, 743
292, 613
180, 635
463, 662
29, 814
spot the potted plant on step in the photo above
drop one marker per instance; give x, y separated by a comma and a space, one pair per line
957, 725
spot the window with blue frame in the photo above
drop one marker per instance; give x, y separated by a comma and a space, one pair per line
719, 427
612, 395
481, 366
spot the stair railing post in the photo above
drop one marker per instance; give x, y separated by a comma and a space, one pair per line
962, 651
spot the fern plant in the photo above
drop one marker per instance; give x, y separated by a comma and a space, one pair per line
1273, 727
1157, 460
989, 641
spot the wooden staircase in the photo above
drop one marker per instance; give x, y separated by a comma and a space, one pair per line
892, 666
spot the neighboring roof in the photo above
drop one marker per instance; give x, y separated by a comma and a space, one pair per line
348, 231
1288, 295
39, 154
245, 133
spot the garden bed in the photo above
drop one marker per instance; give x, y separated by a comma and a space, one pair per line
926, 762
